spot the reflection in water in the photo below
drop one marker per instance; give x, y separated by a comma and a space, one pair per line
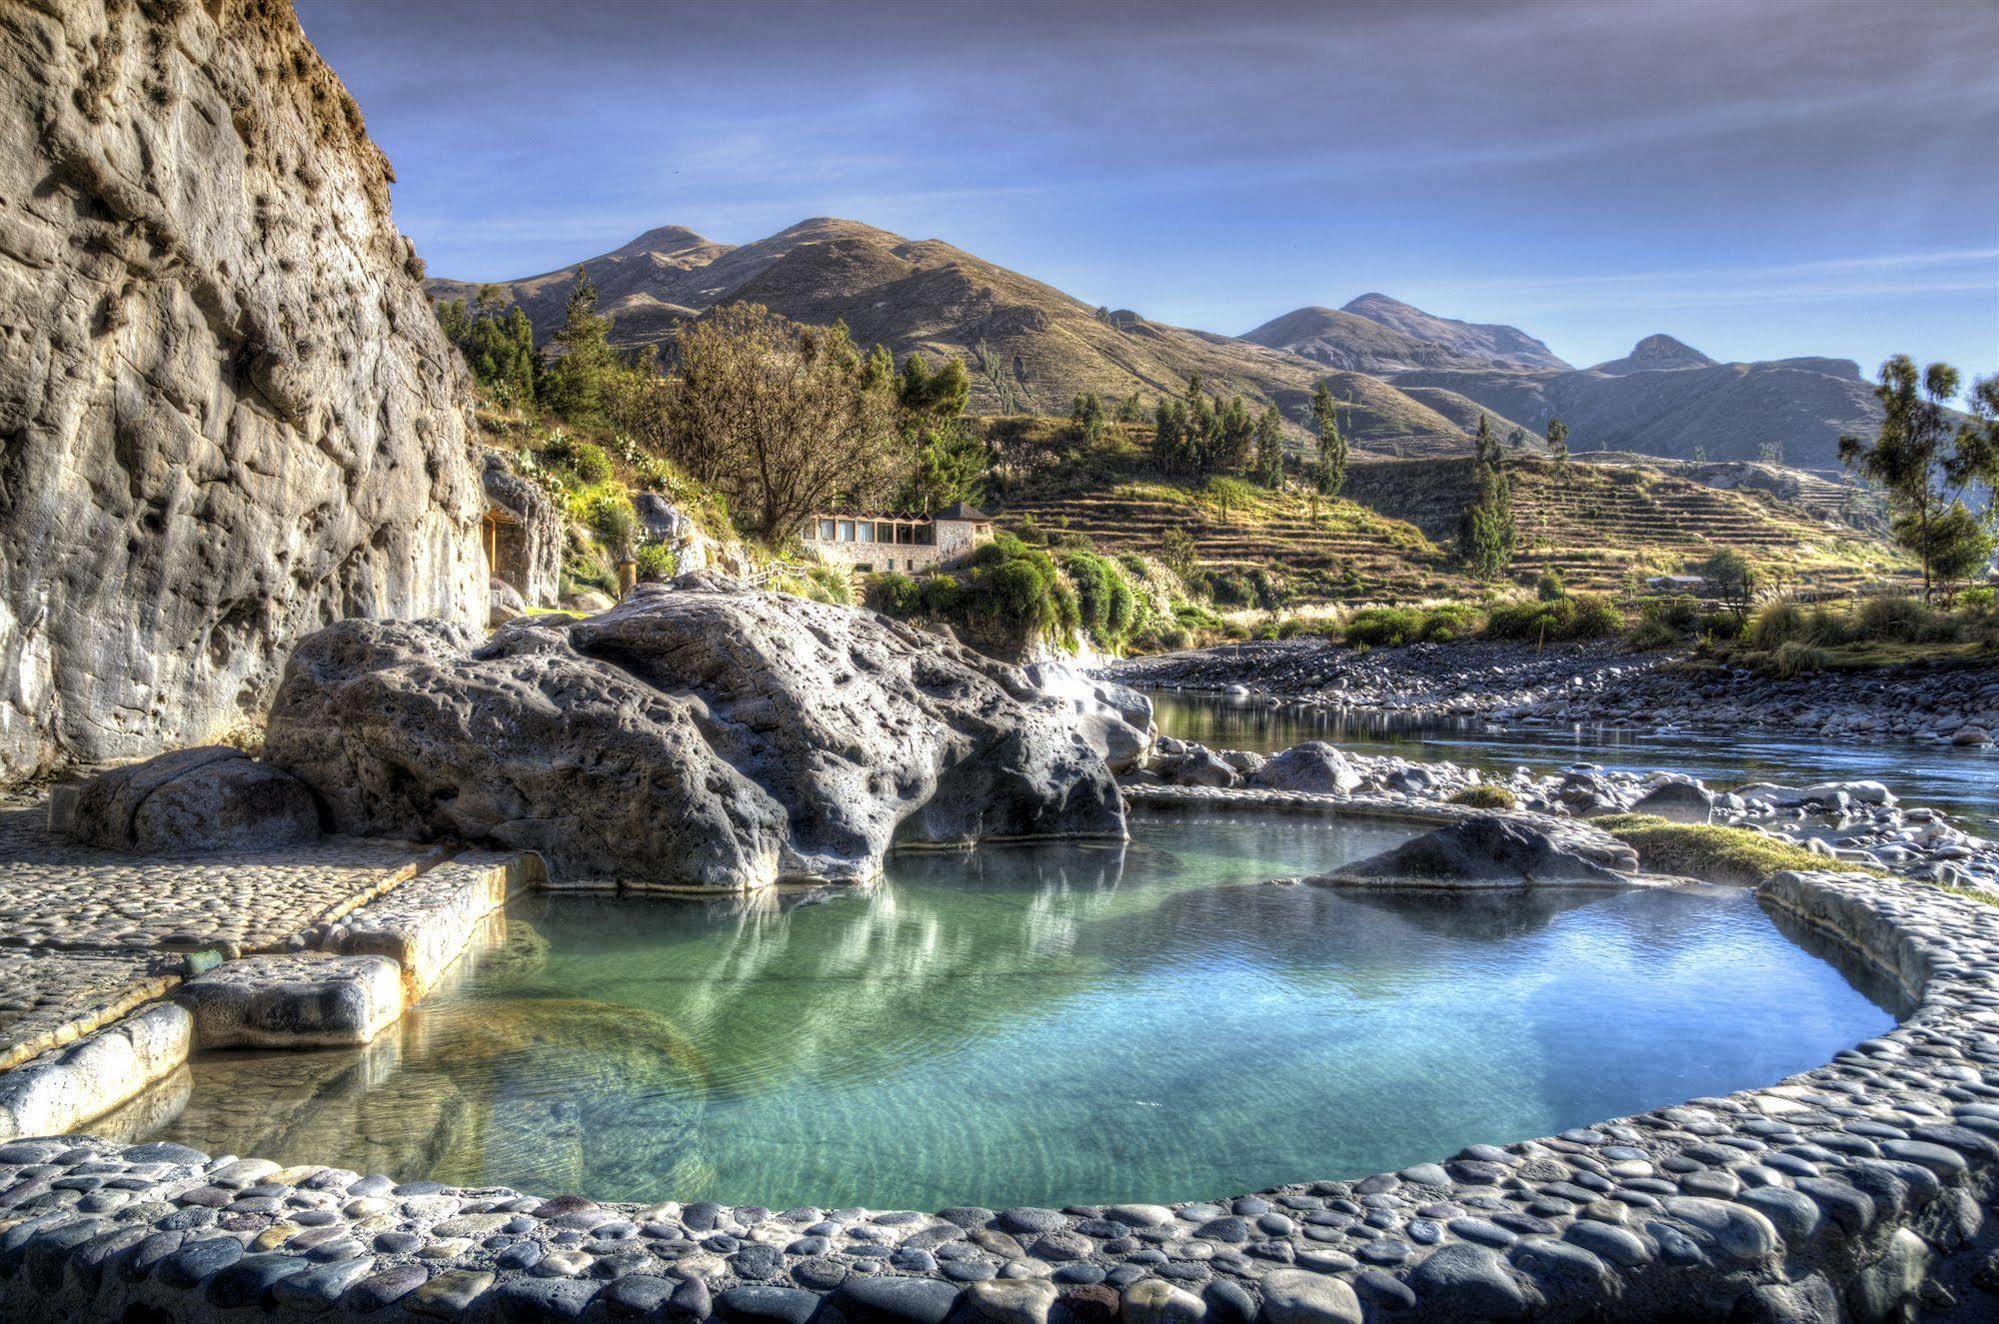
1959, 781
1041, 1026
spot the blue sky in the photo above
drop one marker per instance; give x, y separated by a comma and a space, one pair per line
1760, 178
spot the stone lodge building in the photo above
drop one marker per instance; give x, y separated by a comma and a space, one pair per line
867, 544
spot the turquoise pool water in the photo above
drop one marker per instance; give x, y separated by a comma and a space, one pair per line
1043, 1026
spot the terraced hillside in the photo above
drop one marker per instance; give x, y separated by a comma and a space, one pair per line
1343, 552
1600, 524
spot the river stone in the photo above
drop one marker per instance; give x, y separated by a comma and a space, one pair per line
1678, 802
1156, 1301
1314, 766
1484, 850
697, 736
230, 414
1297, 1296
1012, 1300
296, 1000
207, 799
1463, 1281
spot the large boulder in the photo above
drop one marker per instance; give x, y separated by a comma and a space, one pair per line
1116, 718
692, 737
229, 416
190, 801
1314, 766
1485, 850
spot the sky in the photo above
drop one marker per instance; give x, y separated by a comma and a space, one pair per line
1760, 178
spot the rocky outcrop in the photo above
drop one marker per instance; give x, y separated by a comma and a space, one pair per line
692, 737
525, 533
1483, 851
227, 415
191, 801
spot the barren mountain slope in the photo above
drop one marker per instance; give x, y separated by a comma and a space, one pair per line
1031, 348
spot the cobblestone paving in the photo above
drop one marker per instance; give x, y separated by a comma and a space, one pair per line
57, 895
48, 999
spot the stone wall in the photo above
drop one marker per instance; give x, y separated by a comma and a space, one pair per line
227, 416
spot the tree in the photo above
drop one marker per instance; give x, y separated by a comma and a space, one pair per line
574, 385
942, 394
1270, 448
1558, 439
1329, 469
1771, 451
1177, 552
1485, 532
948, 464
783, 419
1130, 409
1933, 476
1730, 579
1086, 417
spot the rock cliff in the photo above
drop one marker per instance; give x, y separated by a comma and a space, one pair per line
227, 417
696, 736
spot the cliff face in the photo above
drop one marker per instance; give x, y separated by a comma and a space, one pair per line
227, 416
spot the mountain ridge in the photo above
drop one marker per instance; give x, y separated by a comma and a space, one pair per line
1414, 383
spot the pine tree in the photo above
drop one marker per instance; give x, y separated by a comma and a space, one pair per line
573, 387
1270, 448
1486, 532
1329, 471
1558, 439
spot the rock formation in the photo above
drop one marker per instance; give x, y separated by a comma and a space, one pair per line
1490, 851
227, 415
695, 736
190, 801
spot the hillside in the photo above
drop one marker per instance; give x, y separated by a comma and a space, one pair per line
1668, 399
1506, 346
1340, 339
1601, 525
1031, 347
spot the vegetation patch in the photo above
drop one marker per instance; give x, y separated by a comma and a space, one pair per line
1714, 854
1485, 796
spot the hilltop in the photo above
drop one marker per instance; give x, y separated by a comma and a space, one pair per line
1031, 347
1415, 383
1668, 399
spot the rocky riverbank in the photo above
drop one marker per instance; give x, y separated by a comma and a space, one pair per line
1597, 683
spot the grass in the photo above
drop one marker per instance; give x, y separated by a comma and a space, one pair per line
1714, 854
1485, 796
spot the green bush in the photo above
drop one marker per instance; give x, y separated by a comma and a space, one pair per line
941, 595
1796, 658
585, 461
611, 517
1485, 796
1900, 620
657, 561
1778, 623
1108, 605
894, 594
1549, 587
1980, 598
1584, 616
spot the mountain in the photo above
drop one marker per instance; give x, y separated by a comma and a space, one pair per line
1505, 346
1668, 399
1341, 339
1031, 347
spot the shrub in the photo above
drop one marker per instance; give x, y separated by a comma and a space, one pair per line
824, 583
657, 561
610, 516
1384, 627
1902, 620
1778, 623
1980, 598
894, 594
1107, 604
585, 460
1549, 587
1794, 657
1485, 795
1584, 616
941, 594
